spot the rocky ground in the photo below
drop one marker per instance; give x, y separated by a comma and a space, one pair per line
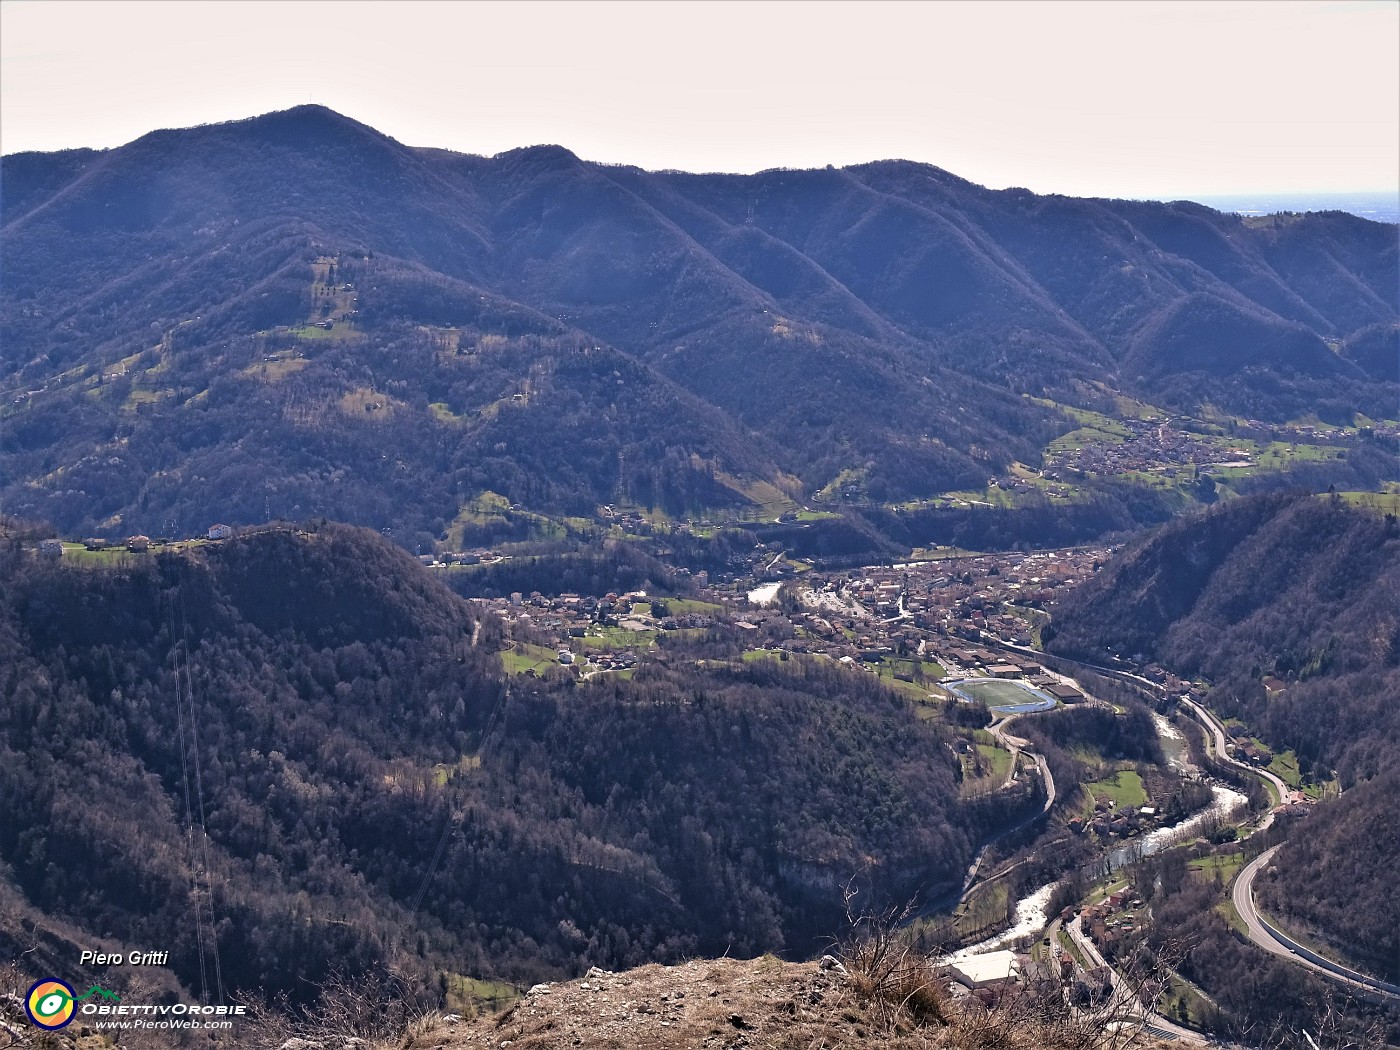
714, 1004
717, 1004
728, 1004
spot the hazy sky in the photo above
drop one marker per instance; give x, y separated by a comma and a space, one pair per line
1097, 98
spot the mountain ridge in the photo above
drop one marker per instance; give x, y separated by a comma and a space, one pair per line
872, 327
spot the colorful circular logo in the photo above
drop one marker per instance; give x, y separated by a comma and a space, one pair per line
50, 1003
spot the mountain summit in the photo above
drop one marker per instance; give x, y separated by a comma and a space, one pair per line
216, 321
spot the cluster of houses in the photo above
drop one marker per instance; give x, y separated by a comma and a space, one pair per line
1109, 820
1050, 486
1112, 917
1152, 445
52, 549
567, 623
1245, 749
968, 592
479, 556
869, 616
993, 976
1311, 432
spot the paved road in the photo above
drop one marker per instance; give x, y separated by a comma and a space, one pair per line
1207, 719
1016, 745
1012, 744
1124, 999
1217, 731
1276, 943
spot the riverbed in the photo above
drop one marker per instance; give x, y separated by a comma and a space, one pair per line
1227, 802
1173, 745
1029, 920
1030, 916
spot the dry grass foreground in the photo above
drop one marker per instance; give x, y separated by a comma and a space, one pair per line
720, 1004
728, 1004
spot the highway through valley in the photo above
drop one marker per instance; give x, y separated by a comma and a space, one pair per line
1275, 941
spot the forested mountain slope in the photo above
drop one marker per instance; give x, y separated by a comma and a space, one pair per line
374, 791
1306, 590
707, 333
1303, 588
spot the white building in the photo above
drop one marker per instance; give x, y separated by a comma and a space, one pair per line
983, 971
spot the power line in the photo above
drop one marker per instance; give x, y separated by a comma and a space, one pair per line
199, 793
189, 813
452, 823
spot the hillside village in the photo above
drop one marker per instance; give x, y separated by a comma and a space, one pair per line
914, 623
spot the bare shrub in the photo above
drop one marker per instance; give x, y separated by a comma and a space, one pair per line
884, 966
371, 1008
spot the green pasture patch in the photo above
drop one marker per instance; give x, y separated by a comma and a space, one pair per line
343, 332
619, 638
1124, 788
138, 396
985, 908
691, 606
1086, 436
467, 995
277, 369
754, 655
107, 557
443, 414
1225, 866
1285, 767
914, 668
1378, 502
998, 759
770, 502
443, 772
524, 657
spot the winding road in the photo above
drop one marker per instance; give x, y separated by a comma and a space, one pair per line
1261, 931
1276, 942
1015, 745
1217, 732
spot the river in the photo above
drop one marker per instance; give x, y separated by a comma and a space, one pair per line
1029, 920
1173, 745
1227, 801
1030, 917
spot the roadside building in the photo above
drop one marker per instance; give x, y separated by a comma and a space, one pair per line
986, 971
